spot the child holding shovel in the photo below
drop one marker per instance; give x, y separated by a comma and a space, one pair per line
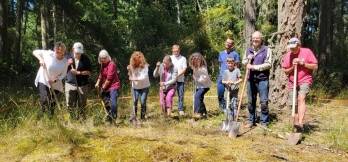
231, 79
167, 74
203, 83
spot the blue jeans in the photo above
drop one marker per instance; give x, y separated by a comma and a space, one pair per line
180, 88
110, 100
199, 105
221, 95
142, 94
231, 110
261, 87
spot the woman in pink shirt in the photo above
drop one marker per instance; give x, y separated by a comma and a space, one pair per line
306, 64
109, 84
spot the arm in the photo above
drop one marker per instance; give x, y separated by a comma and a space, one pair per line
245, 59
110, 75
267, 64
204, 76
156, 71
182, 72
38, 55
174, 77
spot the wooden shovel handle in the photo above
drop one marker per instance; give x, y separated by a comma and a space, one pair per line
243, 89
294, 90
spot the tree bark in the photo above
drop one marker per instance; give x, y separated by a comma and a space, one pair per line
290, 15
54, 18
326, 22
44, 33
18, 45
178, 15
114, 8
250, 20
3, 31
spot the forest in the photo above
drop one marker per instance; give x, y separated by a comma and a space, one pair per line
153, 26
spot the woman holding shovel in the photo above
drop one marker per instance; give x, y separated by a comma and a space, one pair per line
109, 84
304, 62
53, 68
203, 83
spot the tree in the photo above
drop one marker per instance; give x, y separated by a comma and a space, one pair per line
3, 30
326, 21
290, 15
18, 45
44, 24
250, 20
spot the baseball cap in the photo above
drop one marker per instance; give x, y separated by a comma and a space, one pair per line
293, 42
78, 47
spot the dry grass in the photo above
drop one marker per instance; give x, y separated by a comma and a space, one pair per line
158, 139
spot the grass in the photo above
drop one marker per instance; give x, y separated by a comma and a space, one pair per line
25, 137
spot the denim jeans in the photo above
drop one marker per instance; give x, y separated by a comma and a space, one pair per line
180, 87
199, 105
142, 94
261, 87
47, 101
110, 100
221, 95
231, 110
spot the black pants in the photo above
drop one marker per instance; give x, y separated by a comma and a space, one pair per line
47, 101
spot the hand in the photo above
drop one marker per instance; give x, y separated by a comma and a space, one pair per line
295, 61
249, 66
74, 71
70, 61
128, 67
250, 57
96, 85
158, 64
42, 63
162, 84
51, 81
301, 61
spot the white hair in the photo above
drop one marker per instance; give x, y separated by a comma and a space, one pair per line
104, 53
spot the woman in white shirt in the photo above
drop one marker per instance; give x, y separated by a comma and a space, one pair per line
53, 68
203, 83
139, 77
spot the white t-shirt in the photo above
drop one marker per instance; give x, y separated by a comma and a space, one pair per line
55, 69
179, 63
142, 77
202, 77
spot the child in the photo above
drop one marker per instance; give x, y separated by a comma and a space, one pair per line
203, 83
231, 78
138, 75
168, 75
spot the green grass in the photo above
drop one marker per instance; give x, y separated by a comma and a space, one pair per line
25, 137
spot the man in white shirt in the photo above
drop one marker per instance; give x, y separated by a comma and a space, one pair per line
179, 63
53, 68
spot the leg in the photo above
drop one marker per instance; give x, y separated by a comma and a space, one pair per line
82, 95
304, 89
252, 91
71, 95
143, 100
221, 97
234, 104
263, 89
169, 101
163, 101
181, 89
44, 97
203, 109
136, 94
113, 98
197, 103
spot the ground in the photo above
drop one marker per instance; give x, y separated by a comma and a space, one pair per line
25, 137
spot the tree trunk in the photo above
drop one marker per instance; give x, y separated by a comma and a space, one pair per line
3, 31
54, 17
18, 45
114, 8
250, 20
290, 15
44, 33
325, 30
178, 15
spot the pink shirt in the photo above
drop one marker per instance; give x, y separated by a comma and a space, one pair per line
109, 72
304, 75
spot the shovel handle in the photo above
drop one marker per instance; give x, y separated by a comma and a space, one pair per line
243, 89
294, 90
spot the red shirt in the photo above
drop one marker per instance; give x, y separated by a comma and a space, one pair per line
109, 72
304, 75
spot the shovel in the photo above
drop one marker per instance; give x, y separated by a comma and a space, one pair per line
235, 125
226, 123
294, 138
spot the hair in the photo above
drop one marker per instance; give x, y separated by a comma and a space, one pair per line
230, 59
103, 53
59, 45
176, 46
198, 56
167, 57
137, 60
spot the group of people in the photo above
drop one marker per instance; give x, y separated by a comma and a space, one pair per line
75, 69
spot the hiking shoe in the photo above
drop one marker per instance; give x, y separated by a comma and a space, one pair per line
298, 128
181, 113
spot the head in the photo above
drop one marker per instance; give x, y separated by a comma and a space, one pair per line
176, 50
167, 62
197, 60
104, 57
256, 39
294, 45
230, 63
59, 49
77, 50
229, 44
137, 60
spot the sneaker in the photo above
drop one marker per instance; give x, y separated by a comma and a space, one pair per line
181, 113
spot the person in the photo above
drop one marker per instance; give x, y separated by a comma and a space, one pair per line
53, 68
168, 75
179, 62
222, 59
231, 78
109, 84
203, 83
138, 74
306, 62
76, 83
258, 60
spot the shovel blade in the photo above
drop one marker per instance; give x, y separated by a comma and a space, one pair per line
234, 129
294, 138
